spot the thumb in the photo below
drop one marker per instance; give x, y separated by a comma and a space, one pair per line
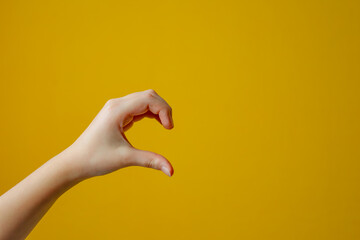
151, 160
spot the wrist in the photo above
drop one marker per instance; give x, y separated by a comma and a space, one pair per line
66, 165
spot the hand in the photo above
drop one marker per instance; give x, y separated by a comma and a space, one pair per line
103, 147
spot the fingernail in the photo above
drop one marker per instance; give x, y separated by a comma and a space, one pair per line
171, 120
166, 171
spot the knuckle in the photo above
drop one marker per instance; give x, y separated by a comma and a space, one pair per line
150, 163
110, 101
150, 93
110, 104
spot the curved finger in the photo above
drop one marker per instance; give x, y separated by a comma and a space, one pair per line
149, 100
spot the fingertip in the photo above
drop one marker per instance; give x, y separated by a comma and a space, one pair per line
170, 120
166, 171
171, 124
167, 168
164, 118
168, 126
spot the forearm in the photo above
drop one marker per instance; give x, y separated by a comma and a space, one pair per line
22, 207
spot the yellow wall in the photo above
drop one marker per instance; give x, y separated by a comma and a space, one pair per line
265, 97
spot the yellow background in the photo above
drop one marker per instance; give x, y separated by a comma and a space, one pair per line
265, 98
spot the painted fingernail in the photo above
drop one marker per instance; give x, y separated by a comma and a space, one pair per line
172, 121
166, 171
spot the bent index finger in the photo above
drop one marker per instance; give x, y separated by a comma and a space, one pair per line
148, 100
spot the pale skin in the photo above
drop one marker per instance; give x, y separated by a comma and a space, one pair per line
101, 149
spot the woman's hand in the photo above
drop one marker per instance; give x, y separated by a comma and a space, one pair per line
103, 147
